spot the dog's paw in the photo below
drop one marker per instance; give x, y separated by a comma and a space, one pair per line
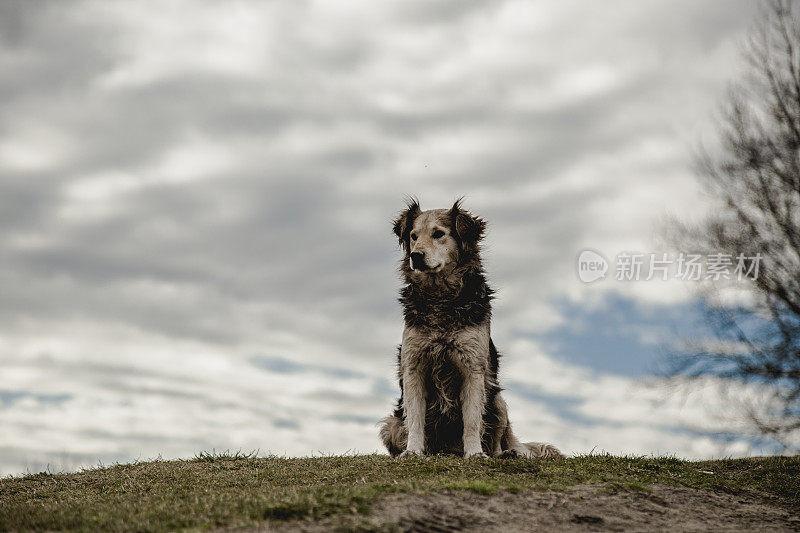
409, 453
476, 455
508, 454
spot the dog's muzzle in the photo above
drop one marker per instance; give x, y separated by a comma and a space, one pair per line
418, 261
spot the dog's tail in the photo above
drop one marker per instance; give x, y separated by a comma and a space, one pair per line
394, 435
542, 449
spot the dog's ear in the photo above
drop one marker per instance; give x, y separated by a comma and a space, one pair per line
467, 228
404, 221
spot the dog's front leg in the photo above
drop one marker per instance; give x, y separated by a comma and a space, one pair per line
414, 407
473, 400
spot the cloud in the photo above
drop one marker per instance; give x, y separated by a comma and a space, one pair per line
195, 246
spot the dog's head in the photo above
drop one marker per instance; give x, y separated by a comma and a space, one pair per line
437, 241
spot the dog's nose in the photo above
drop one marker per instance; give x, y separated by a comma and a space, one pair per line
418, 261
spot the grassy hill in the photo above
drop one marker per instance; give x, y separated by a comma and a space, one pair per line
378, 492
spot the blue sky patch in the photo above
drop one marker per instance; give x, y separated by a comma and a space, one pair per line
622, 337
10, 397
280, 365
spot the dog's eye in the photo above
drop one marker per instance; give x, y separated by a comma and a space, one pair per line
438, 234
413, 236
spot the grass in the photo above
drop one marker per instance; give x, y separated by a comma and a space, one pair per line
237, 490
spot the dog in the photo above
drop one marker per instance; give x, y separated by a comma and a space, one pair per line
450, 401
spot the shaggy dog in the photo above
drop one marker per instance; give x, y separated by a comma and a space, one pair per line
450, 400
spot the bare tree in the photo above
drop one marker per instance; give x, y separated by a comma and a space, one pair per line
754, 174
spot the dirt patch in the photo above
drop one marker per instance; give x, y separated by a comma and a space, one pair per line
583, 508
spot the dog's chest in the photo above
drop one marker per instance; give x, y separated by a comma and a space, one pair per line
464, 350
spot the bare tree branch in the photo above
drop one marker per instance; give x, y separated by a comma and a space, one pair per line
755, 175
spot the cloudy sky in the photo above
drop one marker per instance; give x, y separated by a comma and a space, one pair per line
196, 203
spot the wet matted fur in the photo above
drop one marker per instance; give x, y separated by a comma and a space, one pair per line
450, 400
